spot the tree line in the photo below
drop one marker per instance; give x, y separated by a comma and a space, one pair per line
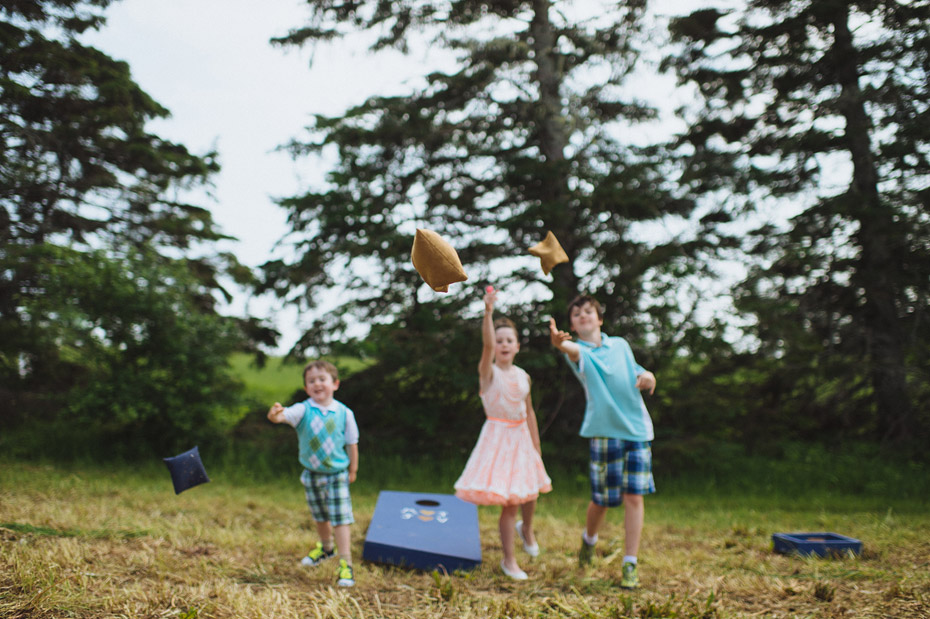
803, 157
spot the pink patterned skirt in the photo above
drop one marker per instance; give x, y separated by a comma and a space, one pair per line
504, 468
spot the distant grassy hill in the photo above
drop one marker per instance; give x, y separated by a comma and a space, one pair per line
278, 379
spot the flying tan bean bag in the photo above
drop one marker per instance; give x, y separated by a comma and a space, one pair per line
549, 252
436, 261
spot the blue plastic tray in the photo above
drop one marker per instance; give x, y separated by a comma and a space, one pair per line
821, 544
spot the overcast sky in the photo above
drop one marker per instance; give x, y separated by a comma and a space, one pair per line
210, 62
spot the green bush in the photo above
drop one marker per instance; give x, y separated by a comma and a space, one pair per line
120, 355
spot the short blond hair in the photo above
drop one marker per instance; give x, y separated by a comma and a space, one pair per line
321, 364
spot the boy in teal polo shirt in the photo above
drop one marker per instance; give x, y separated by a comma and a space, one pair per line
328, 439
617, 424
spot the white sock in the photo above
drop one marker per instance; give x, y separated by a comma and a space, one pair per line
590, 541
629, 559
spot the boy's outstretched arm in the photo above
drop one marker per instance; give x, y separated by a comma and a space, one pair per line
646, 380
276, 413
563, 341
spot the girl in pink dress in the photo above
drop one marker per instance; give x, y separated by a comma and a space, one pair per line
505, 467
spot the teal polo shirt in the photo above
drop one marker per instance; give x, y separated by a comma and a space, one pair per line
614, 406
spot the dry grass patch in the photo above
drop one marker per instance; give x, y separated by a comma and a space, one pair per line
98, 545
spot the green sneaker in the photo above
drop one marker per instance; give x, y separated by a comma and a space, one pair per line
629, 579
586, 554
345, 576
317, 555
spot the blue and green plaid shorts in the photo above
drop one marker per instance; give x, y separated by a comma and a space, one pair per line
619, 467
328, 496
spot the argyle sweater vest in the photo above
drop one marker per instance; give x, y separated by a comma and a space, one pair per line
322, 439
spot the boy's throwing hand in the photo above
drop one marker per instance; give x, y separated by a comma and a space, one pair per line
646, 380
276, 413
563, 341
556, 336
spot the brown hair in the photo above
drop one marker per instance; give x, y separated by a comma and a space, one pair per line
502, 322
320, 364
584, 299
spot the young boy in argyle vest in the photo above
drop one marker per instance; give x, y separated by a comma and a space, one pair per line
328, 438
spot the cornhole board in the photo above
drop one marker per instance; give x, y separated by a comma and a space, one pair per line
821, 544
423, 531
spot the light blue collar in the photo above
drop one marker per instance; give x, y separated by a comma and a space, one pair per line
605, 342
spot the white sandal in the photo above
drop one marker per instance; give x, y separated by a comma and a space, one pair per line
533, 550
517, 575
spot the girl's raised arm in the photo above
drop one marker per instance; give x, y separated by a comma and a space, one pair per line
485, 370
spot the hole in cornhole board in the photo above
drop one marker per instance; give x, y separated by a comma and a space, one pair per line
423, 531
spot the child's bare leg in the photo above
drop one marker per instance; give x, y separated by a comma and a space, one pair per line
325, 531
344, 542
506, 526
634, 514
528, 510
595, 518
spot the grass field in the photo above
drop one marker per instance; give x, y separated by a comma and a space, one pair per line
99, 542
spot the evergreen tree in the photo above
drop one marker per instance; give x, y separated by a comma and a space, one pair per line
80, 174
78, 162
823, 107
520, 138
524, 134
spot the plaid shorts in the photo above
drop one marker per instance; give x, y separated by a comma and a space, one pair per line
328, 496
619, 467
